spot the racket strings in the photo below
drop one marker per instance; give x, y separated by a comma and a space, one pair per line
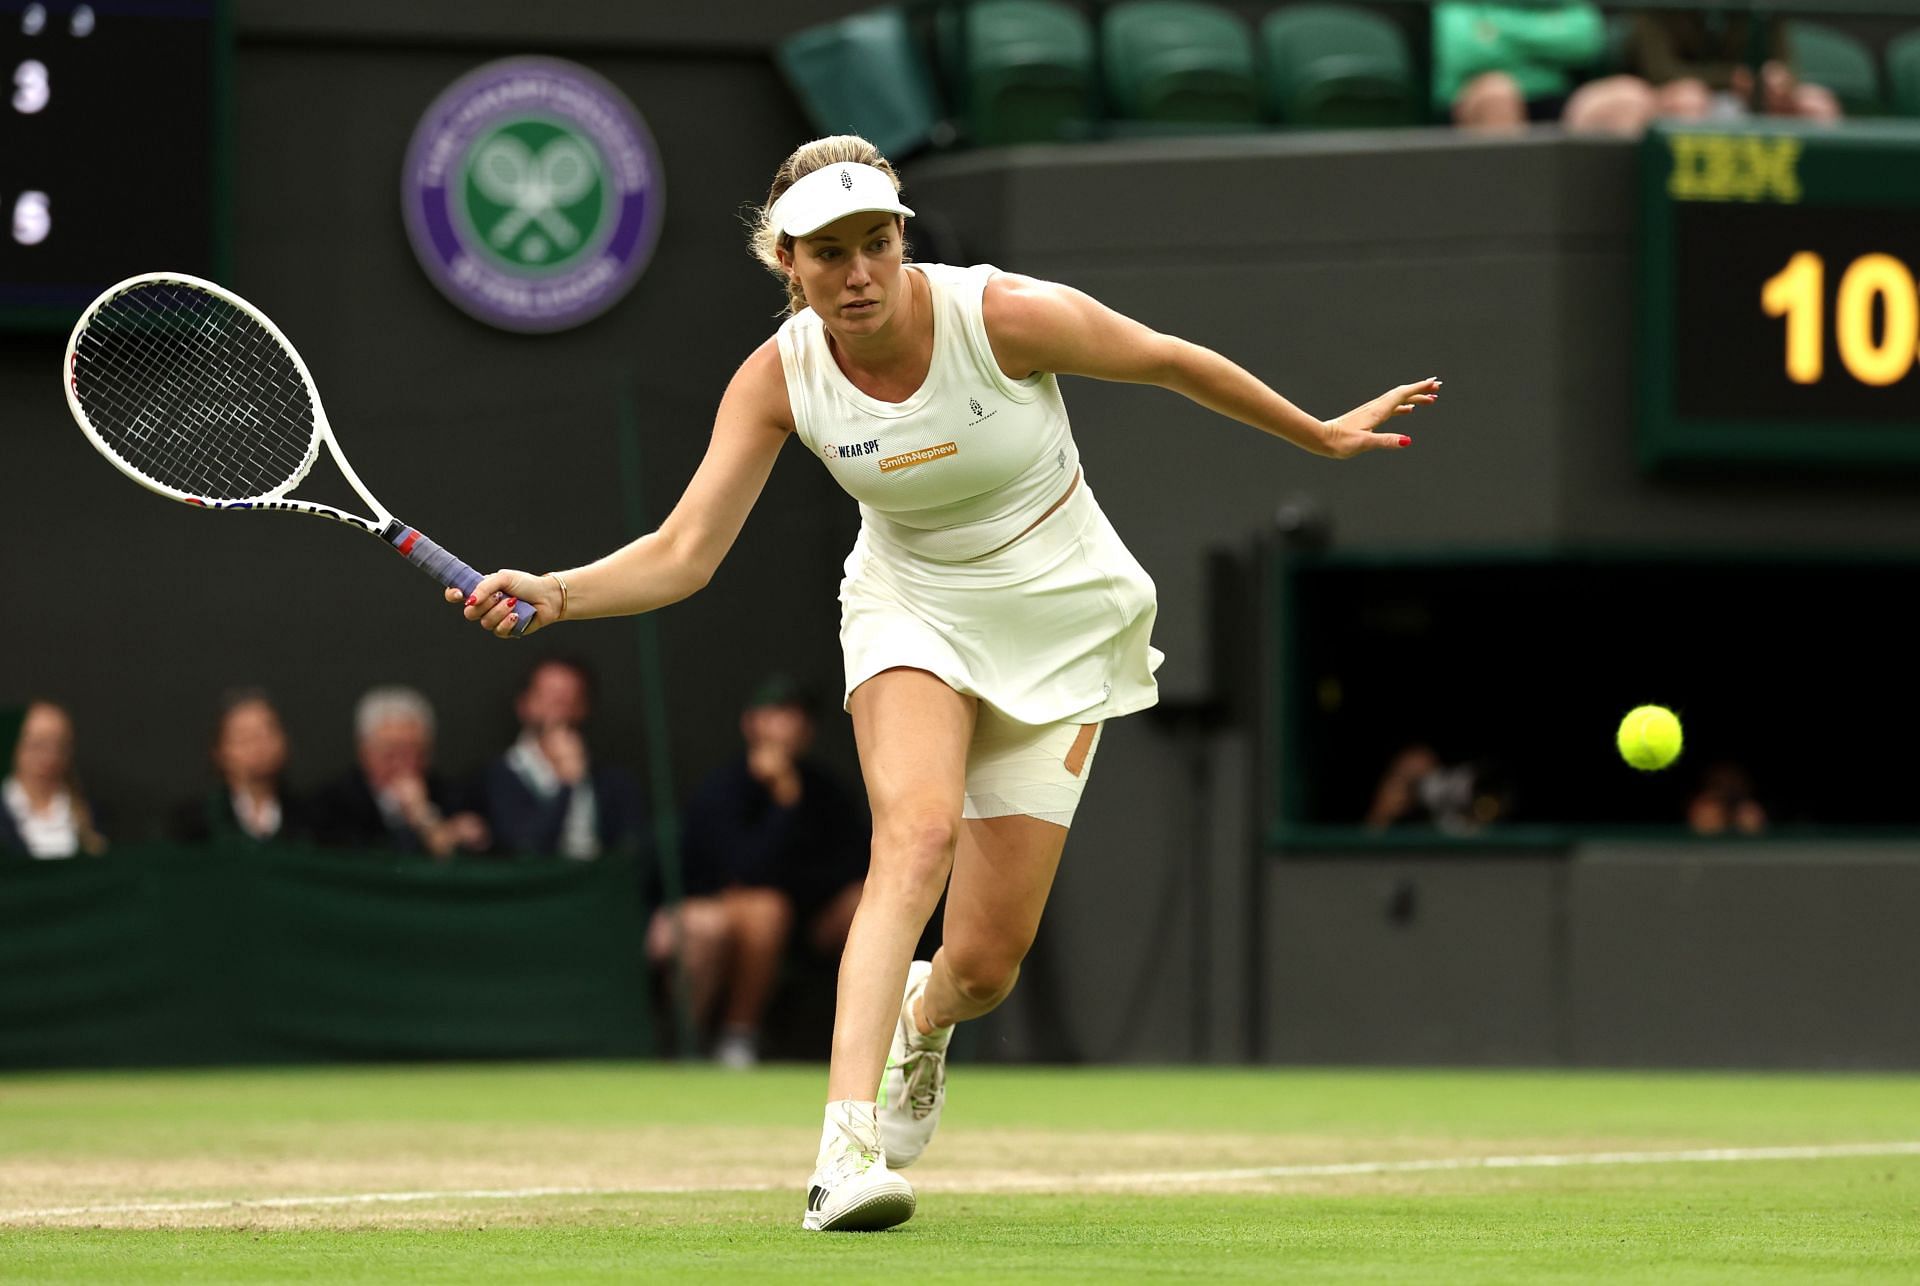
192, 391
157, 438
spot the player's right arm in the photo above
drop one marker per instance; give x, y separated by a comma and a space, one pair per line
667, 565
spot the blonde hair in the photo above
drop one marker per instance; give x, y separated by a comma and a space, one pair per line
765, 241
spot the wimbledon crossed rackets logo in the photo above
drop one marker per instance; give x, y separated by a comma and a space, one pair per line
532, 194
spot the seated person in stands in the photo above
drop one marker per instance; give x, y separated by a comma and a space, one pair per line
1498, 67
772, 842
392, 800
1419, 789
1699, 65
43, 813
1725, 803
247, 801
544, 795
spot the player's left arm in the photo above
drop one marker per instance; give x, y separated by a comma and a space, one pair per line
1038, 325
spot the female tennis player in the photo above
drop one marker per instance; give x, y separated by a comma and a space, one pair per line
991, 619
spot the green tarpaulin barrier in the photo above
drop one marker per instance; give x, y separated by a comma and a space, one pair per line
158, 955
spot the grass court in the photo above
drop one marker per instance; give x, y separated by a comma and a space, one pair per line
590, 1173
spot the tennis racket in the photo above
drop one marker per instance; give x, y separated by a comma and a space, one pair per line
190, 391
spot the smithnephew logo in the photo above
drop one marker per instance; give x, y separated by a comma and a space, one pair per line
532, 194
907, 459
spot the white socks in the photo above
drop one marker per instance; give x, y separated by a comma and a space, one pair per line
849, 1121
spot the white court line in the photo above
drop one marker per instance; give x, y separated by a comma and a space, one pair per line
1813, 1152
1806, 1153
368, 1198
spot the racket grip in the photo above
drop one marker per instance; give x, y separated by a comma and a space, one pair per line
445, 568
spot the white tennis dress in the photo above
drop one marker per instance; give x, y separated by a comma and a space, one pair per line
1045, 627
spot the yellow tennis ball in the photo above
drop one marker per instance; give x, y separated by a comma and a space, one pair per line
1649, 737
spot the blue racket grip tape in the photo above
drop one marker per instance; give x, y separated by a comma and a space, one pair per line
446, 569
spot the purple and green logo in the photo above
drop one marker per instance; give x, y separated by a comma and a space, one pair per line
532, 194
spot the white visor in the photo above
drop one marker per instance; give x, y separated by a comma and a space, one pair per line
833, 193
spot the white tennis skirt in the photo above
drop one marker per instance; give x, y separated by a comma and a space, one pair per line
1055, 626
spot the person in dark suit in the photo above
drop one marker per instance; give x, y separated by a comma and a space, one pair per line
393, 800
545, 795
773, 843
248, 801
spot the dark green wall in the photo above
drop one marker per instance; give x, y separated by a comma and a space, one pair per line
159, 955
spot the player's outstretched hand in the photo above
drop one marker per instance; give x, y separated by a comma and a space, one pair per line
493, 598
1357, 430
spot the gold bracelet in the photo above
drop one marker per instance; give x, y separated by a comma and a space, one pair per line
561, 615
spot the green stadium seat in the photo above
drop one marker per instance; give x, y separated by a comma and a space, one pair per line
1903, 74
865, 75
1022, 69
1180, 63
1331, 66
1827, 56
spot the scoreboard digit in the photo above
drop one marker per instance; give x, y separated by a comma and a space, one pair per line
1779, 317
109, 163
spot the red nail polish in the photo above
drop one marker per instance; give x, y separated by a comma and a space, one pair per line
1406, 442
471, 600
512, 601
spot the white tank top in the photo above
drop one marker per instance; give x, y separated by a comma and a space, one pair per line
961, 467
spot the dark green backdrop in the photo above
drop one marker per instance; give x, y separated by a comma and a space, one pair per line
159, 955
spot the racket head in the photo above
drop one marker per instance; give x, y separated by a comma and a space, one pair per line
192, 392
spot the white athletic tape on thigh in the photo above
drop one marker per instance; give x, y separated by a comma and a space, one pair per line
1017, 769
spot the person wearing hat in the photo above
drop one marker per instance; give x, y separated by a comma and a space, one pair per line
991, 619
772, 842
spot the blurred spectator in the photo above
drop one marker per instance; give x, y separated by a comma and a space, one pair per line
544, 795
772, 841
1699, 65
1725, 803
392, 800
247, 801
42, 811
1501, 66
1419, 789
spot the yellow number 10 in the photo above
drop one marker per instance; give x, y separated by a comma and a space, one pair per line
1798, 293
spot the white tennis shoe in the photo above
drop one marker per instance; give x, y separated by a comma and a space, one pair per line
853, 1191
913, 1088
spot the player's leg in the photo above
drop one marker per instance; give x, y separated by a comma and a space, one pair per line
912, 732
1003, 870
1002, 875
1024, 783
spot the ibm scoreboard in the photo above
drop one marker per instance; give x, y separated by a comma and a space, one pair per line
1779, 317
109, 163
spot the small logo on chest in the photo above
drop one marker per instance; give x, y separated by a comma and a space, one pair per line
828, 451
979, 412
